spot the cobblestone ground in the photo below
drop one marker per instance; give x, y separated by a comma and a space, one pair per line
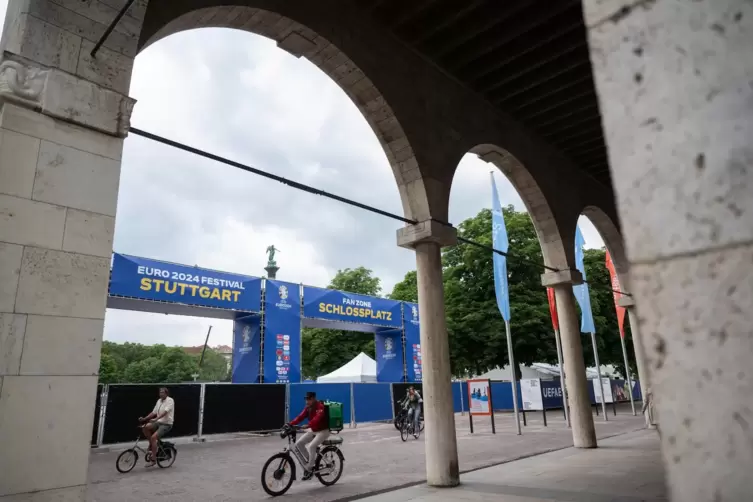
375, 460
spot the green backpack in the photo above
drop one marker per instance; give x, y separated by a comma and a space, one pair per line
334, 415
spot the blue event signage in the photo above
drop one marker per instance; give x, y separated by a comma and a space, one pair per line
551, 393
246, 349
413, 342
147, 279
282, 332
334, 305
389, 355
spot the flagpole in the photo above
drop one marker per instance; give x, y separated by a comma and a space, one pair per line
562, 376
598, 374
511, 359
627, 374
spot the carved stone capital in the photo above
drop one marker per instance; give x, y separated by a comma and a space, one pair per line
426, 231
561, 278
21, 83
64, 96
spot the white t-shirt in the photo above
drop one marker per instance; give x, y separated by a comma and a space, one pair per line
167, 405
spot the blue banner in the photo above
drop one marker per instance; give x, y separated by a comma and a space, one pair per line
552, 394
389, 355
282, 332
581, 290
246, 349
499, 242
349, 307
413, 342
147, 279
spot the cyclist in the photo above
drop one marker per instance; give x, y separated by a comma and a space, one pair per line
159, 422
317, 433
413, 401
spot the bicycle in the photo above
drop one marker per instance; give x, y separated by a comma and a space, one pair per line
329, 462
128, 459
403, 414
407, 428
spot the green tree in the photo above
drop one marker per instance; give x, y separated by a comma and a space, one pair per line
605, 317
325, 350
476, 328
214, 367
109, 371
407, 289
136, 363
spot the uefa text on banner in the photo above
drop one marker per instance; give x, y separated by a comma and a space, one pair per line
478, 393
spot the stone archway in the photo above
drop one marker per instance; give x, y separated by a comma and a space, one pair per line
301, 41
536, 204
63, 115
612, 237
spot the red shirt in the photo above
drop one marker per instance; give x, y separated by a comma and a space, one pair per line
316, 416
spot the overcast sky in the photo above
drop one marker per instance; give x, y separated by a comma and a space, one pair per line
237, 95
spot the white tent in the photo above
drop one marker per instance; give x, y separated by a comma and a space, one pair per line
361, 369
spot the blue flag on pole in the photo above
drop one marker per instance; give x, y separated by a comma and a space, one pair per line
581, 290
499, 241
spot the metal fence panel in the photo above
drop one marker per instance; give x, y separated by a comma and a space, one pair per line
127, 402
243, 408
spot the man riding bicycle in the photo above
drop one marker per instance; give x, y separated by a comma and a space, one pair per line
159, 422
413, 402
318, 431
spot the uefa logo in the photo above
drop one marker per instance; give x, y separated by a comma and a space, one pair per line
283, 292
246, 336
414, 311
389, 344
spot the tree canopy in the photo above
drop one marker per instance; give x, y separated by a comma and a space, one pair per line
325, 350
475, 327
136, 363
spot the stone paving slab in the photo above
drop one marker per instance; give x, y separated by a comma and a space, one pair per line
625, 468
375, 460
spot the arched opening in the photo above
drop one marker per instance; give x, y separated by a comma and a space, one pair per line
301, 127
473, 317
598, 227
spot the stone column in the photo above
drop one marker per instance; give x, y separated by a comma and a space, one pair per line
427, 238
63, 115
674, 85
576, 382
640, 354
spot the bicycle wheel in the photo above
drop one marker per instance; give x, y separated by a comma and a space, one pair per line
277, 474
404, 431
422, 424
398, 420
329, 466
166, 456
127, 461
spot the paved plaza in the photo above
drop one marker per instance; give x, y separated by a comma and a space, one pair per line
376, 460
625, 468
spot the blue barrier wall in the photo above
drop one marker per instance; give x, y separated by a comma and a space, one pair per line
457, 398
502, 395
339, 392
372, 402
